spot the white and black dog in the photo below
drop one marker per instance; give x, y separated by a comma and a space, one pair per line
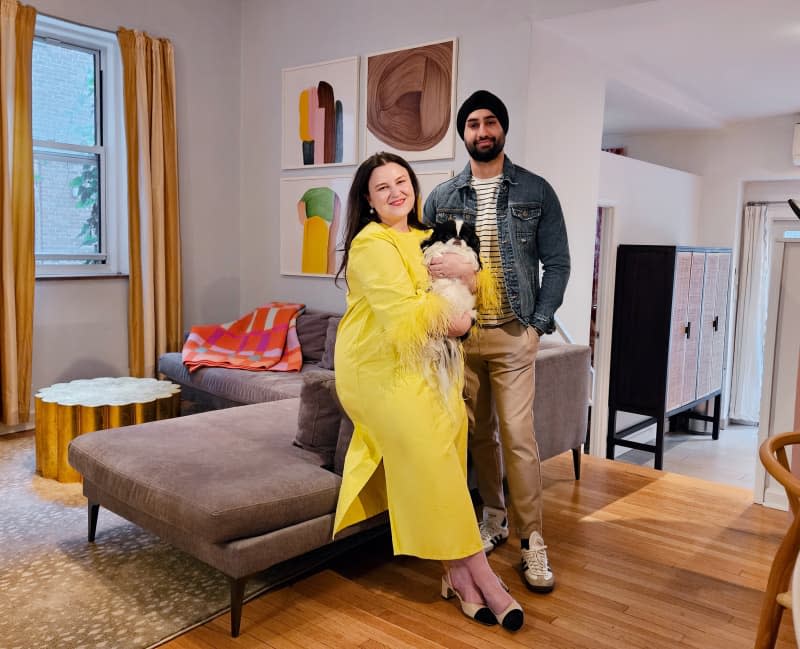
443, 356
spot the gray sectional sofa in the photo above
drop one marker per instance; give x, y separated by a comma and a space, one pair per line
245, 488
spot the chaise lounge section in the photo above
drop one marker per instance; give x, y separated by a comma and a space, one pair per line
228, 487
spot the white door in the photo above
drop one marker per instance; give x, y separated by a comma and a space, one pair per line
781, 349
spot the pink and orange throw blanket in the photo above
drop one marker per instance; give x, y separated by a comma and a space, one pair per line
264, 339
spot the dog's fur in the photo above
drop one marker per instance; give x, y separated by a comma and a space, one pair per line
443, 357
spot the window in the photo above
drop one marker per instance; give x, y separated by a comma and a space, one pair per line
78, 151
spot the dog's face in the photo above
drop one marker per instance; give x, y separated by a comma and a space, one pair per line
448, 233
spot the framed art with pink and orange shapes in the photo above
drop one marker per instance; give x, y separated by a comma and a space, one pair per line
320, 114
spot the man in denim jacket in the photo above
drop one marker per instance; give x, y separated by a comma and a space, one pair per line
518, 218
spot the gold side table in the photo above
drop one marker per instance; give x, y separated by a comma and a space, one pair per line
66, 410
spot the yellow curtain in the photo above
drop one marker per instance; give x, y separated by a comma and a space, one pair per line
16, 211
154, 299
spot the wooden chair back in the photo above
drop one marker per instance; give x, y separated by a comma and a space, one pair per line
776, 598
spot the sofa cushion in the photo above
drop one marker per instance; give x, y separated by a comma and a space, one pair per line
221, 475
330, 342
235, 385
312, 328
319, 415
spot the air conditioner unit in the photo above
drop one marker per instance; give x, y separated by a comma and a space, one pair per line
796, 145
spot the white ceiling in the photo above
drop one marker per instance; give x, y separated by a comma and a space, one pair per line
681, 64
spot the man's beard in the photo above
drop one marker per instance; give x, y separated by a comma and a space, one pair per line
486, 155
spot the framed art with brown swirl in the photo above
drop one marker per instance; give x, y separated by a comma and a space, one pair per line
409, 101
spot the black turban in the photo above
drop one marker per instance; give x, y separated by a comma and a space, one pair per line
482, 99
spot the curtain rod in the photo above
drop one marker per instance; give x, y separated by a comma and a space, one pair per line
766, 203
75, 22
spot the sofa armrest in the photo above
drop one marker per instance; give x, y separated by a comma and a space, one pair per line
561, 403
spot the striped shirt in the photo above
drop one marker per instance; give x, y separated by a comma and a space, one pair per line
486, 228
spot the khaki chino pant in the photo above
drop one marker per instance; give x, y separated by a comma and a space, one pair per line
499, 389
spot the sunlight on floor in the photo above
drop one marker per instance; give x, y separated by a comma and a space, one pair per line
729, 460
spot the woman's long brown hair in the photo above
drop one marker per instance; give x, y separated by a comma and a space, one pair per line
358, 209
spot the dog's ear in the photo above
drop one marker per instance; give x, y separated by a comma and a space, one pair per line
445, 230
434, 236
470, 237
440, 232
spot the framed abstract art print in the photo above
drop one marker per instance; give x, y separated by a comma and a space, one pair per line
320, 114
409, 101
312, 219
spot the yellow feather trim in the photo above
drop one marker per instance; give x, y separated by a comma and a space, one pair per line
428, 318
488, 292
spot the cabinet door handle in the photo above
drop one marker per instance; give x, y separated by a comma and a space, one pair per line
688, 329
715, 324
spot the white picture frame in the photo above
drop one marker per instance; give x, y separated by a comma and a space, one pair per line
320, 114
311, 209
429, 69
427, 181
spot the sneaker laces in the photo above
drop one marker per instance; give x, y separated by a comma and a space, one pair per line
535, 560
487, 529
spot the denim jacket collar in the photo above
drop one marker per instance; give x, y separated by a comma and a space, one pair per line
509, 174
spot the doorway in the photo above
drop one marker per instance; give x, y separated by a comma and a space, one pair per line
781, 350
600, 328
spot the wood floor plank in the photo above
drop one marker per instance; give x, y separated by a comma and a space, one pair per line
643, 560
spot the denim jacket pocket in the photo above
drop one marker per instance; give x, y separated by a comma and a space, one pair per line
526, 211
525, 219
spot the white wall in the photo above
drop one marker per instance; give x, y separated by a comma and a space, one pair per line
566, 94
744, 151
80, 326
651, 205
772, 190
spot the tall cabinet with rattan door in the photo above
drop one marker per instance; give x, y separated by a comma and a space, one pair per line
668, 338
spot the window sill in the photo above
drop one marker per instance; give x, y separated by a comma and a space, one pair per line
48, 278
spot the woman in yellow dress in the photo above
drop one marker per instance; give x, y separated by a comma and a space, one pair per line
408, 452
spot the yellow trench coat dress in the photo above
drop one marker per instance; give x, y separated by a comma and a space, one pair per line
408, 453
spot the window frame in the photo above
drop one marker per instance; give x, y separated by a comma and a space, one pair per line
110, 125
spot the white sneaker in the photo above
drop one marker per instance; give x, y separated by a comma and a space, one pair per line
493, 528
536, 567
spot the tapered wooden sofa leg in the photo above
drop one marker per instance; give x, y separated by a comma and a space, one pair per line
576, 462
94, 509
237, 599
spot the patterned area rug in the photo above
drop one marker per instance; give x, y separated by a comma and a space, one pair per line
128, 590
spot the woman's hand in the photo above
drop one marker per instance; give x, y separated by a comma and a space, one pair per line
459, 325
453, 266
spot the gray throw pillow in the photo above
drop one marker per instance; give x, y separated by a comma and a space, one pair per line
330, 343
319, 416
311, 329
343, 443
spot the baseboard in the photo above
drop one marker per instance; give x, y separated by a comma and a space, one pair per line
18, 428
775, 497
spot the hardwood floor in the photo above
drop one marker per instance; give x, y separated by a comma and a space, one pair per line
643, 559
